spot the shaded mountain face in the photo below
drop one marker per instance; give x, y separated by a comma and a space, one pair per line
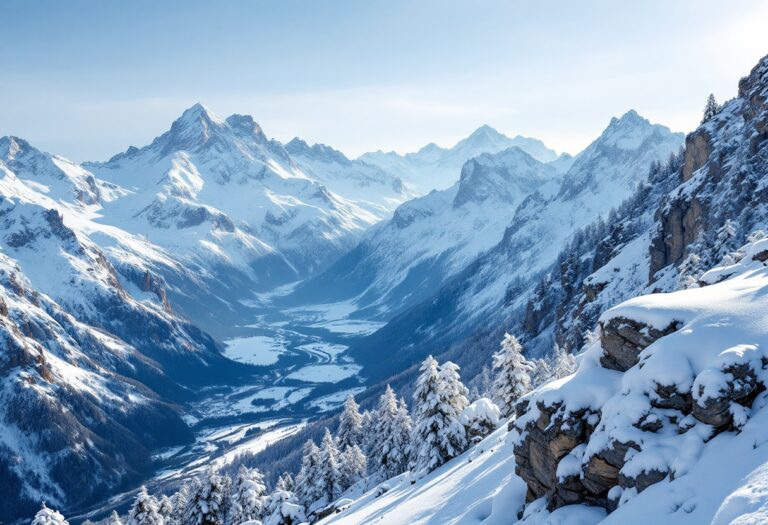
692, 215
95, 360
429, 239
96, 268
219, 211
370, 187
433, 167
497, 282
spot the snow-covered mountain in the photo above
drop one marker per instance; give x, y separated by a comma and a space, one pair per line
489, 287
241, 194
367, 185
664, 420
429, 239
219, 211
95, 359
677, 436
433, 167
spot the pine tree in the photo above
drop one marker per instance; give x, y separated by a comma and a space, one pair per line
165, 508
725, 242
563, 363
353, 463
180, 500
329, 475
350, 425
247, 501
306, 479
208, 499
513, 375
404, 430
285, 482
46, 516
711, 108
389, 454
114, 519
145, 510
439, 398
284, 509
367, 424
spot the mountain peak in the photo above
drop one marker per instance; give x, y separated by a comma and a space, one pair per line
245, 125
198, 113
487, 132
631, 117
629, 131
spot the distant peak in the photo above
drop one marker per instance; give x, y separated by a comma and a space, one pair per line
245, 125
199, 112
486, 131
631, 117
11, 146
428, 148
297, 144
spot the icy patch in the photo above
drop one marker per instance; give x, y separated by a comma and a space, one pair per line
324, 373
255, 350
334, 400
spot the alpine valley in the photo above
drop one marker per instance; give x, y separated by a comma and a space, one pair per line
179, 320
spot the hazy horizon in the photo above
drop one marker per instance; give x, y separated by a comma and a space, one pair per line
87, 80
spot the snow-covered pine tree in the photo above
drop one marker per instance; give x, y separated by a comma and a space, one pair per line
46, 516
180, 499
480, 419
306, 479
247, 500
114, 519
389, 455
726, 241
285, 482
367, 424
208, 499
353, 468
513, 375
145, 510
563, 362
329, 476
711, 108
165, 508
404, 432
438, 435
350, 425
284, 509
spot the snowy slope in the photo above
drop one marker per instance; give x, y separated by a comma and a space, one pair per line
367, 185
431, 238
601, 177
679, 469
433, 167
690, 215
237, 197
91, 354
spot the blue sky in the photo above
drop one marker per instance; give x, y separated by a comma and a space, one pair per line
86, 79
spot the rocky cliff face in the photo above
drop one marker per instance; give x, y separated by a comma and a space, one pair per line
723, 174
694, 210
661, 380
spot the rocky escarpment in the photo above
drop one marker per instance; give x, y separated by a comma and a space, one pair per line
650, 393
721, 178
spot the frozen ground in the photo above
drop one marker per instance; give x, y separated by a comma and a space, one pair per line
255, 350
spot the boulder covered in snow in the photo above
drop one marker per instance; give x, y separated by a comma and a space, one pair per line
669, 373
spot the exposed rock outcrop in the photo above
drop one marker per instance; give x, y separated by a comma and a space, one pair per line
623, 340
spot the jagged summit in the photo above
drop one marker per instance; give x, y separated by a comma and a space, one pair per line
10, 146
245, 125
320, 152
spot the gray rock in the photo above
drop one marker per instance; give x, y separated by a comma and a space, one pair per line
623, 340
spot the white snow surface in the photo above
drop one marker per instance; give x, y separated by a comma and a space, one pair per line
720, 480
